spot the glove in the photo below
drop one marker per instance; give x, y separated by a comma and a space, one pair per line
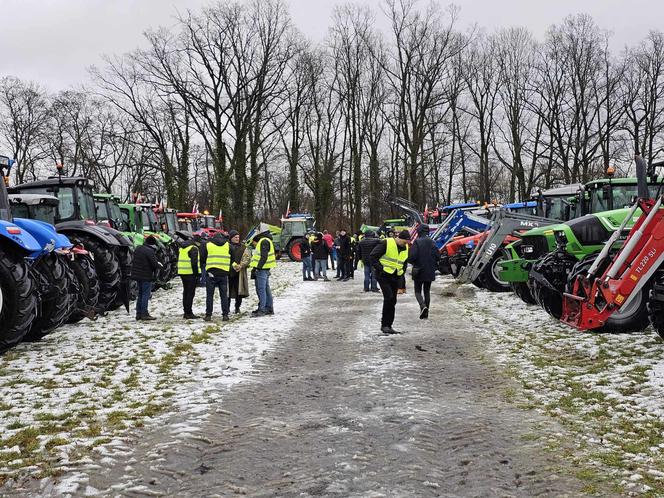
236, 267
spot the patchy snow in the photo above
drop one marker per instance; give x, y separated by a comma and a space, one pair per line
85, 385
606, 388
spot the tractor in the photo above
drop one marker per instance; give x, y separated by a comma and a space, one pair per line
111, 251
294, 228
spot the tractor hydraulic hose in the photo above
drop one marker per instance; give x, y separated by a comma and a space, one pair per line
609, 244
626, 251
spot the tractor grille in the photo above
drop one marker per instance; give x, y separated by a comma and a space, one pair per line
538, 243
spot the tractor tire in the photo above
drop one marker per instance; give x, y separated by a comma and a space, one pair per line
18, 300
489, 278
88, 288
164, 271
632, 318
294, 249
521, 289
108, 272
656, 304
125, 258
55, 305
555, 267
174, 250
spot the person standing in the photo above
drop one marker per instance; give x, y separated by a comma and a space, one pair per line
189, 271
389, 259
216, 258
366, 245
238, 282
345, 255
262, 261
329, 240
320, 251
424, 260
337, 255
144, 270
307, 259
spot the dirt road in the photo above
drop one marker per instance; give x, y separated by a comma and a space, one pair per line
339, 409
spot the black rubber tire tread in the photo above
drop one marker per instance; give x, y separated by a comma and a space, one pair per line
164, 271
174, 251
521, 289
487, 280
88, 286
289, 249
108, 272
656, 304
55, 298
125, 257
636, 322
19, 303
551, 301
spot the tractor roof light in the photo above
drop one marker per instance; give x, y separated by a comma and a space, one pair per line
14, 230
610, 171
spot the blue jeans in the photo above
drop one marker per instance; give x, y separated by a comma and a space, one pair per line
370, 282
144, 293
306, 267
321, 267
212, 284
333, 256
263, 290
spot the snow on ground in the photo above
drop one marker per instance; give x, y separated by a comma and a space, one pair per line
84, 386
608, 389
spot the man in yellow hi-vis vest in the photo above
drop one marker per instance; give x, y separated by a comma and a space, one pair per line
189, 271
216, 259
263, 260
389, 259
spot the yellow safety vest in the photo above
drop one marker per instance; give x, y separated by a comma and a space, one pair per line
271, 260
393, 259
184, 261
218, 256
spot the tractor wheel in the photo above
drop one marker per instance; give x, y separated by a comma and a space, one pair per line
164, 271
444, 266
108, 271
656, 304
294, 249
18, 300
521, 289
125, 257
56, 276
174, 248
630, 318
490, 279
88, 287
554, 267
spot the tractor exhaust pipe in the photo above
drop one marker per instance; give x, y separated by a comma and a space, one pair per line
641, 177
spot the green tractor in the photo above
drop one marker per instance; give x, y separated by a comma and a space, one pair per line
538, 265
141, 219
294, 229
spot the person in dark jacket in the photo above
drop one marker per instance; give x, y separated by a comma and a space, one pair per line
366, 245
216, 259
389, 259
144, 271
321, 251
189, 271
238, 282
307, 259
345, 255
424, 260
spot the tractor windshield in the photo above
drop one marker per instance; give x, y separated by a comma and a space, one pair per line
86, 203
41, 212
102, 210
557, 208
614, 196
116, 216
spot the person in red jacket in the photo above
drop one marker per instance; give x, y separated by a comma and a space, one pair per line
329, 241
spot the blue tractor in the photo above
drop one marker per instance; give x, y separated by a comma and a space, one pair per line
18, 288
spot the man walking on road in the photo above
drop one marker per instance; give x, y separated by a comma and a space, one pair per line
389, 259
216, 258
366, 245
189, 271
424, 260
262, 261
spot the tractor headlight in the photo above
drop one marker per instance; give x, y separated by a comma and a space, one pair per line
525, 249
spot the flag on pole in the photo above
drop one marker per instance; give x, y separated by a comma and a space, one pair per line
287, 210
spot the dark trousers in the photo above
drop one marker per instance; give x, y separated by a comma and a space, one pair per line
189, 283
234, 287
346, 267
426, 287
144, 293
212, 284
389, 286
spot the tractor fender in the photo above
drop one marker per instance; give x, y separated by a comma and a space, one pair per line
72, 228
44, 233
121, 237
21, 240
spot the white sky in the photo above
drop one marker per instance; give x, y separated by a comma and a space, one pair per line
54, 41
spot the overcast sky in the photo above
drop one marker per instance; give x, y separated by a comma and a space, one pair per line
54, 41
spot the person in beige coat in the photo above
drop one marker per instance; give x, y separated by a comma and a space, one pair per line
238, 280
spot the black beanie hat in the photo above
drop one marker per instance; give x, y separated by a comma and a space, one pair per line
404, 234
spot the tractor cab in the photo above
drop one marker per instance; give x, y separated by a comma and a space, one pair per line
189, 222
107, 207
558, 203
76, 201
34, 206
528, 207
